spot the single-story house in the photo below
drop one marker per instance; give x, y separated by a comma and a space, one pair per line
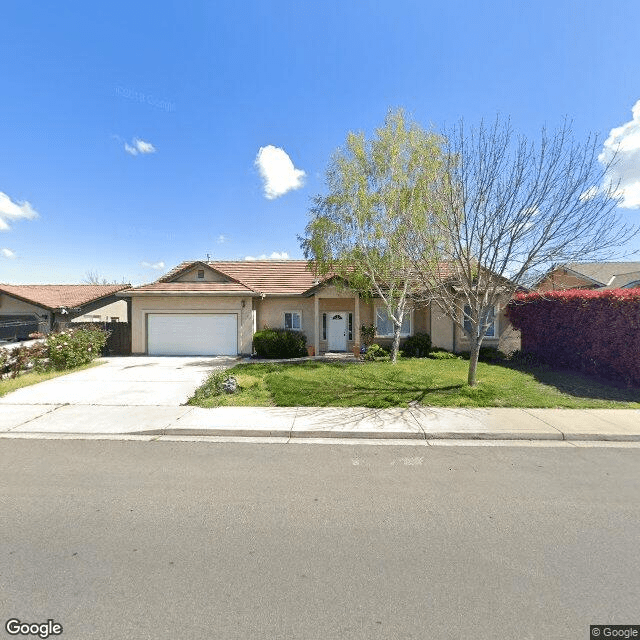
214, 308
26, 308
592, 275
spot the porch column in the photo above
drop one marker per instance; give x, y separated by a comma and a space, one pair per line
316, 323
356, 320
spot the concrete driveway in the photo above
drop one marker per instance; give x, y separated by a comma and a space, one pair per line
124, 381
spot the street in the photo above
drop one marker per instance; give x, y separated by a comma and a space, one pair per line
127, 539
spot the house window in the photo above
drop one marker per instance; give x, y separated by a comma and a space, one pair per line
324, 326
384, 324
351, 326
488, 317
114, 319
293, 320
200, 274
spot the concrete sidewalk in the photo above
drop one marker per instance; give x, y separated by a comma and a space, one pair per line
421, 423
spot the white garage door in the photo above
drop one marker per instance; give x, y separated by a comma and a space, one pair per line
183, 334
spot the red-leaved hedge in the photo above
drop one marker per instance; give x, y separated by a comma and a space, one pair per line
594, 331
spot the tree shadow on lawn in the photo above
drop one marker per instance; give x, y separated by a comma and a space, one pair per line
577, 384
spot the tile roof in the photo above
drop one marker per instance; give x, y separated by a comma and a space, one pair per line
285, 277
608, 274
270, 277
54, 296
201, 287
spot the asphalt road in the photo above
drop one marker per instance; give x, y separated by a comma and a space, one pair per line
196, 540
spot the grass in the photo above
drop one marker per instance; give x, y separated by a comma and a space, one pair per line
33, 377
440, 383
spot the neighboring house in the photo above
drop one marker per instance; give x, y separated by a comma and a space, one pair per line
214, 308
25, 308
592, 275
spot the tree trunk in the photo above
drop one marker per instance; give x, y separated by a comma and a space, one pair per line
473, 361
396, 343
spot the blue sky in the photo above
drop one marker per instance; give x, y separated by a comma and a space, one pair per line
129, 132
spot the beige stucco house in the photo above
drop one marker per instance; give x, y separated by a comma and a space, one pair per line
592, 275
26, 308
214, 308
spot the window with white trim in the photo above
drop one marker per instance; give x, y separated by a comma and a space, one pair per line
293, 320
384, 324
488, 317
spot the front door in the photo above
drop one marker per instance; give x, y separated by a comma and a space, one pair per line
337, 332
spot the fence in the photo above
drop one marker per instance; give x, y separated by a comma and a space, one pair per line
118, 343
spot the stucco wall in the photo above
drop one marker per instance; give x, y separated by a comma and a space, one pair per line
12, 306
560, 280
115, 309
142, 305
209, 276
507, 338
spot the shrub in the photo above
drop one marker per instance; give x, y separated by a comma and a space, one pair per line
417, 346
597, 332
367, 333
487, 354
441, 354
75, 347
375, 352
22, 358
280, 343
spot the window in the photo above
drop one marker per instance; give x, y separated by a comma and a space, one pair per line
351, 326
114, 319
293, 320
200, 274
488, 317
324, 326
384, 324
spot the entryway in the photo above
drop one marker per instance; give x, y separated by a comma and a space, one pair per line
337, 331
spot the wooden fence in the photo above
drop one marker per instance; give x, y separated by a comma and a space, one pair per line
118, 343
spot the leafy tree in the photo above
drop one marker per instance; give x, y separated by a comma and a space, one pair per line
511, 209
379, 191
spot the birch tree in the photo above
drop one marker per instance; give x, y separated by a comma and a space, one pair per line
377, 190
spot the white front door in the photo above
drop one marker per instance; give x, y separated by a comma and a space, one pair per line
337, 331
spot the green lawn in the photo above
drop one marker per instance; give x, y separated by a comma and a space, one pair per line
25, 379
429, 382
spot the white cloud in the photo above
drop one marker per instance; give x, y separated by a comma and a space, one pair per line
221, 239
590, 193
10, 210
624, 142
153, 265
274, 256
277, 172
7, 253
139, 146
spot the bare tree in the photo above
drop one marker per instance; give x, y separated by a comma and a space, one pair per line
93, 277
511, 209
376, 189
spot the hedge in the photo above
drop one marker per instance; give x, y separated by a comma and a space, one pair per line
279, 343
597, 332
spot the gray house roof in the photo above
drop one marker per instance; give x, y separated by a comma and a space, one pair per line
608, 275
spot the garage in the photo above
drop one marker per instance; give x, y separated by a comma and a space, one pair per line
192, 334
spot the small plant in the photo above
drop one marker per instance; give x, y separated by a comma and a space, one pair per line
280, 343
441, 354
375, 352
417, 346
367, 334
217, 384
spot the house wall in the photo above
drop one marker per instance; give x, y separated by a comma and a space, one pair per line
270, 313
507, 339
104, 314
142, 305
559, 279
13, 306
209, 276
441, 329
